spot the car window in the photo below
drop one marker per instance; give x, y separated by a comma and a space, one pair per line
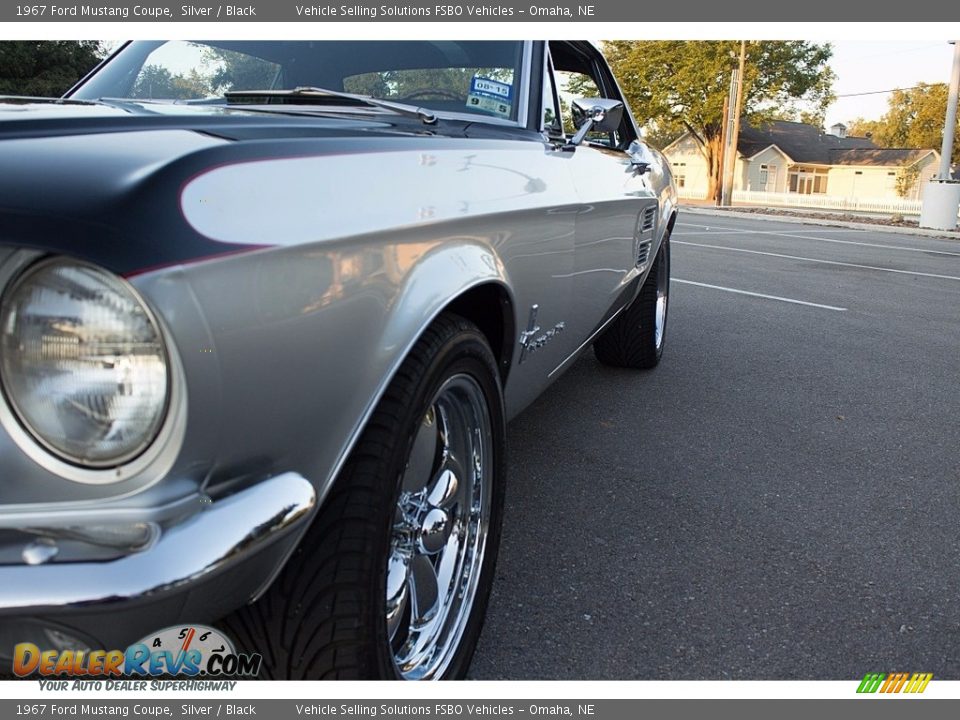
552, 122
192, 71
582, 73
573, 85
488, 89
478, 77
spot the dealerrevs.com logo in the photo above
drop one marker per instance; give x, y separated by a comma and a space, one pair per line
888, 683
182, 650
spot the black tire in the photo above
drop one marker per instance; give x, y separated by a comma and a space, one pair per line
325, 615
632, 340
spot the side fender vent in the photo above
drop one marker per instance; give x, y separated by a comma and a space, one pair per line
648, 219
643, 252
643, 237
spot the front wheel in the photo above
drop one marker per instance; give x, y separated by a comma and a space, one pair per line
635, 338
393, 578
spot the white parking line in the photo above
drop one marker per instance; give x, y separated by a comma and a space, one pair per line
759, 295
816, 260
820, 228
730, 231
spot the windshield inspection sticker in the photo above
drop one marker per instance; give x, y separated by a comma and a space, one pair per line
490, 95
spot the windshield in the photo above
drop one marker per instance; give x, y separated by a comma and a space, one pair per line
477, 77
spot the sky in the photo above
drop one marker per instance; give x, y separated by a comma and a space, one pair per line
868, 66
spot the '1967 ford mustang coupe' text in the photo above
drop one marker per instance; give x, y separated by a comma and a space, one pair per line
266, 308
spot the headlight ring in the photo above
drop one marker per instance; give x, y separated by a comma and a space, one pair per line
88, 374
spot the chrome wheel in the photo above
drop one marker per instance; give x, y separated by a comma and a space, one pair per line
440, 528
660, 311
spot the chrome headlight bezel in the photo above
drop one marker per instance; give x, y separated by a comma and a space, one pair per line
149, 462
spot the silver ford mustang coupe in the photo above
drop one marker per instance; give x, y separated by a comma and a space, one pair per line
266, 308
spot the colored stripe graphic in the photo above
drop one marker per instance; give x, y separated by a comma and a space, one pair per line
870, 682
918, 683
895, 683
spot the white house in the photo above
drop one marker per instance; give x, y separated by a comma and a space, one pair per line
791, 157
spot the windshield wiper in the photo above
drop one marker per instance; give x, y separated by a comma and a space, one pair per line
322, 96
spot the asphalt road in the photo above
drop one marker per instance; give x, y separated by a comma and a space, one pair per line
779, 499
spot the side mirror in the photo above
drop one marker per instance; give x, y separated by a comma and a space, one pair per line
595, 114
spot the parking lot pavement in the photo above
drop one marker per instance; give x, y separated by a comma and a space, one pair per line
779, 499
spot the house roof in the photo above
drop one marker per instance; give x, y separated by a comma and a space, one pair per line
806, 144
878, 156
802, 143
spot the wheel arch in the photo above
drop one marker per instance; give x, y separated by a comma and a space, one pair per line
490, 307
466, 279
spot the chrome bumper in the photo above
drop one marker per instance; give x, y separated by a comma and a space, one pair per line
220, 538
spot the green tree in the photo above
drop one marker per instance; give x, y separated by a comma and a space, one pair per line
683, 83
914, 119
45, 68
861, 127
157, 82
239, 71
660, 134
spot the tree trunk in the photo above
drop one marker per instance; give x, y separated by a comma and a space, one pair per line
714, 152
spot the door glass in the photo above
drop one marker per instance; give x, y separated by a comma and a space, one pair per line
574, 85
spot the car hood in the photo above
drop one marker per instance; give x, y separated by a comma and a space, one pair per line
103, 181
35, 117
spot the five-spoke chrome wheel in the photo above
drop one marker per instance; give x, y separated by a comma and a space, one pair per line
393, 577
441, 522
663, 291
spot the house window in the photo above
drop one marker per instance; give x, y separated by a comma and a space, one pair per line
768, 178
808, 180
681, 181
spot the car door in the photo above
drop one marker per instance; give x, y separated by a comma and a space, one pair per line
617, 215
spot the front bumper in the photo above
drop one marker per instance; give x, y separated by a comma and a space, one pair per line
212, 562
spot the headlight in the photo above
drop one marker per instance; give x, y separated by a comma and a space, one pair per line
83, 363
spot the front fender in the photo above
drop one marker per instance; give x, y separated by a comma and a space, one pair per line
307, 338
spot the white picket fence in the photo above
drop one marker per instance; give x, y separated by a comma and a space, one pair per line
898, 206
895, 206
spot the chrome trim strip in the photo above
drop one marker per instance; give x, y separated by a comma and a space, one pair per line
526, 63
98, 512
223, 536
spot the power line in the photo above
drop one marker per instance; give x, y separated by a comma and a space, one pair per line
881, 92
899, 52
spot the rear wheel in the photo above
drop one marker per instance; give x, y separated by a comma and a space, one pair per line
635, 338
392, 579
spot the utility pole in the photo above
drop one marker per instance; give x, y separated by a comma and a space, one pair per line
950, 125
737, 108
722, 160
941, 197
729, 144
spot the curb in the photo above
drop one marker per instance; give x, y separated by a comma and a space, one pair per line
698, 210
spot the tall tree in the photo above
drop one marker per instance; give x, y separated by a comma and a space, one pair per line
156, 82
914, 119
680, 83
45, 68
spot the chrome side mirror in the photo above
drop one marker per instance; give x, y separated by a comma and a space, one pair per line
595, 114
